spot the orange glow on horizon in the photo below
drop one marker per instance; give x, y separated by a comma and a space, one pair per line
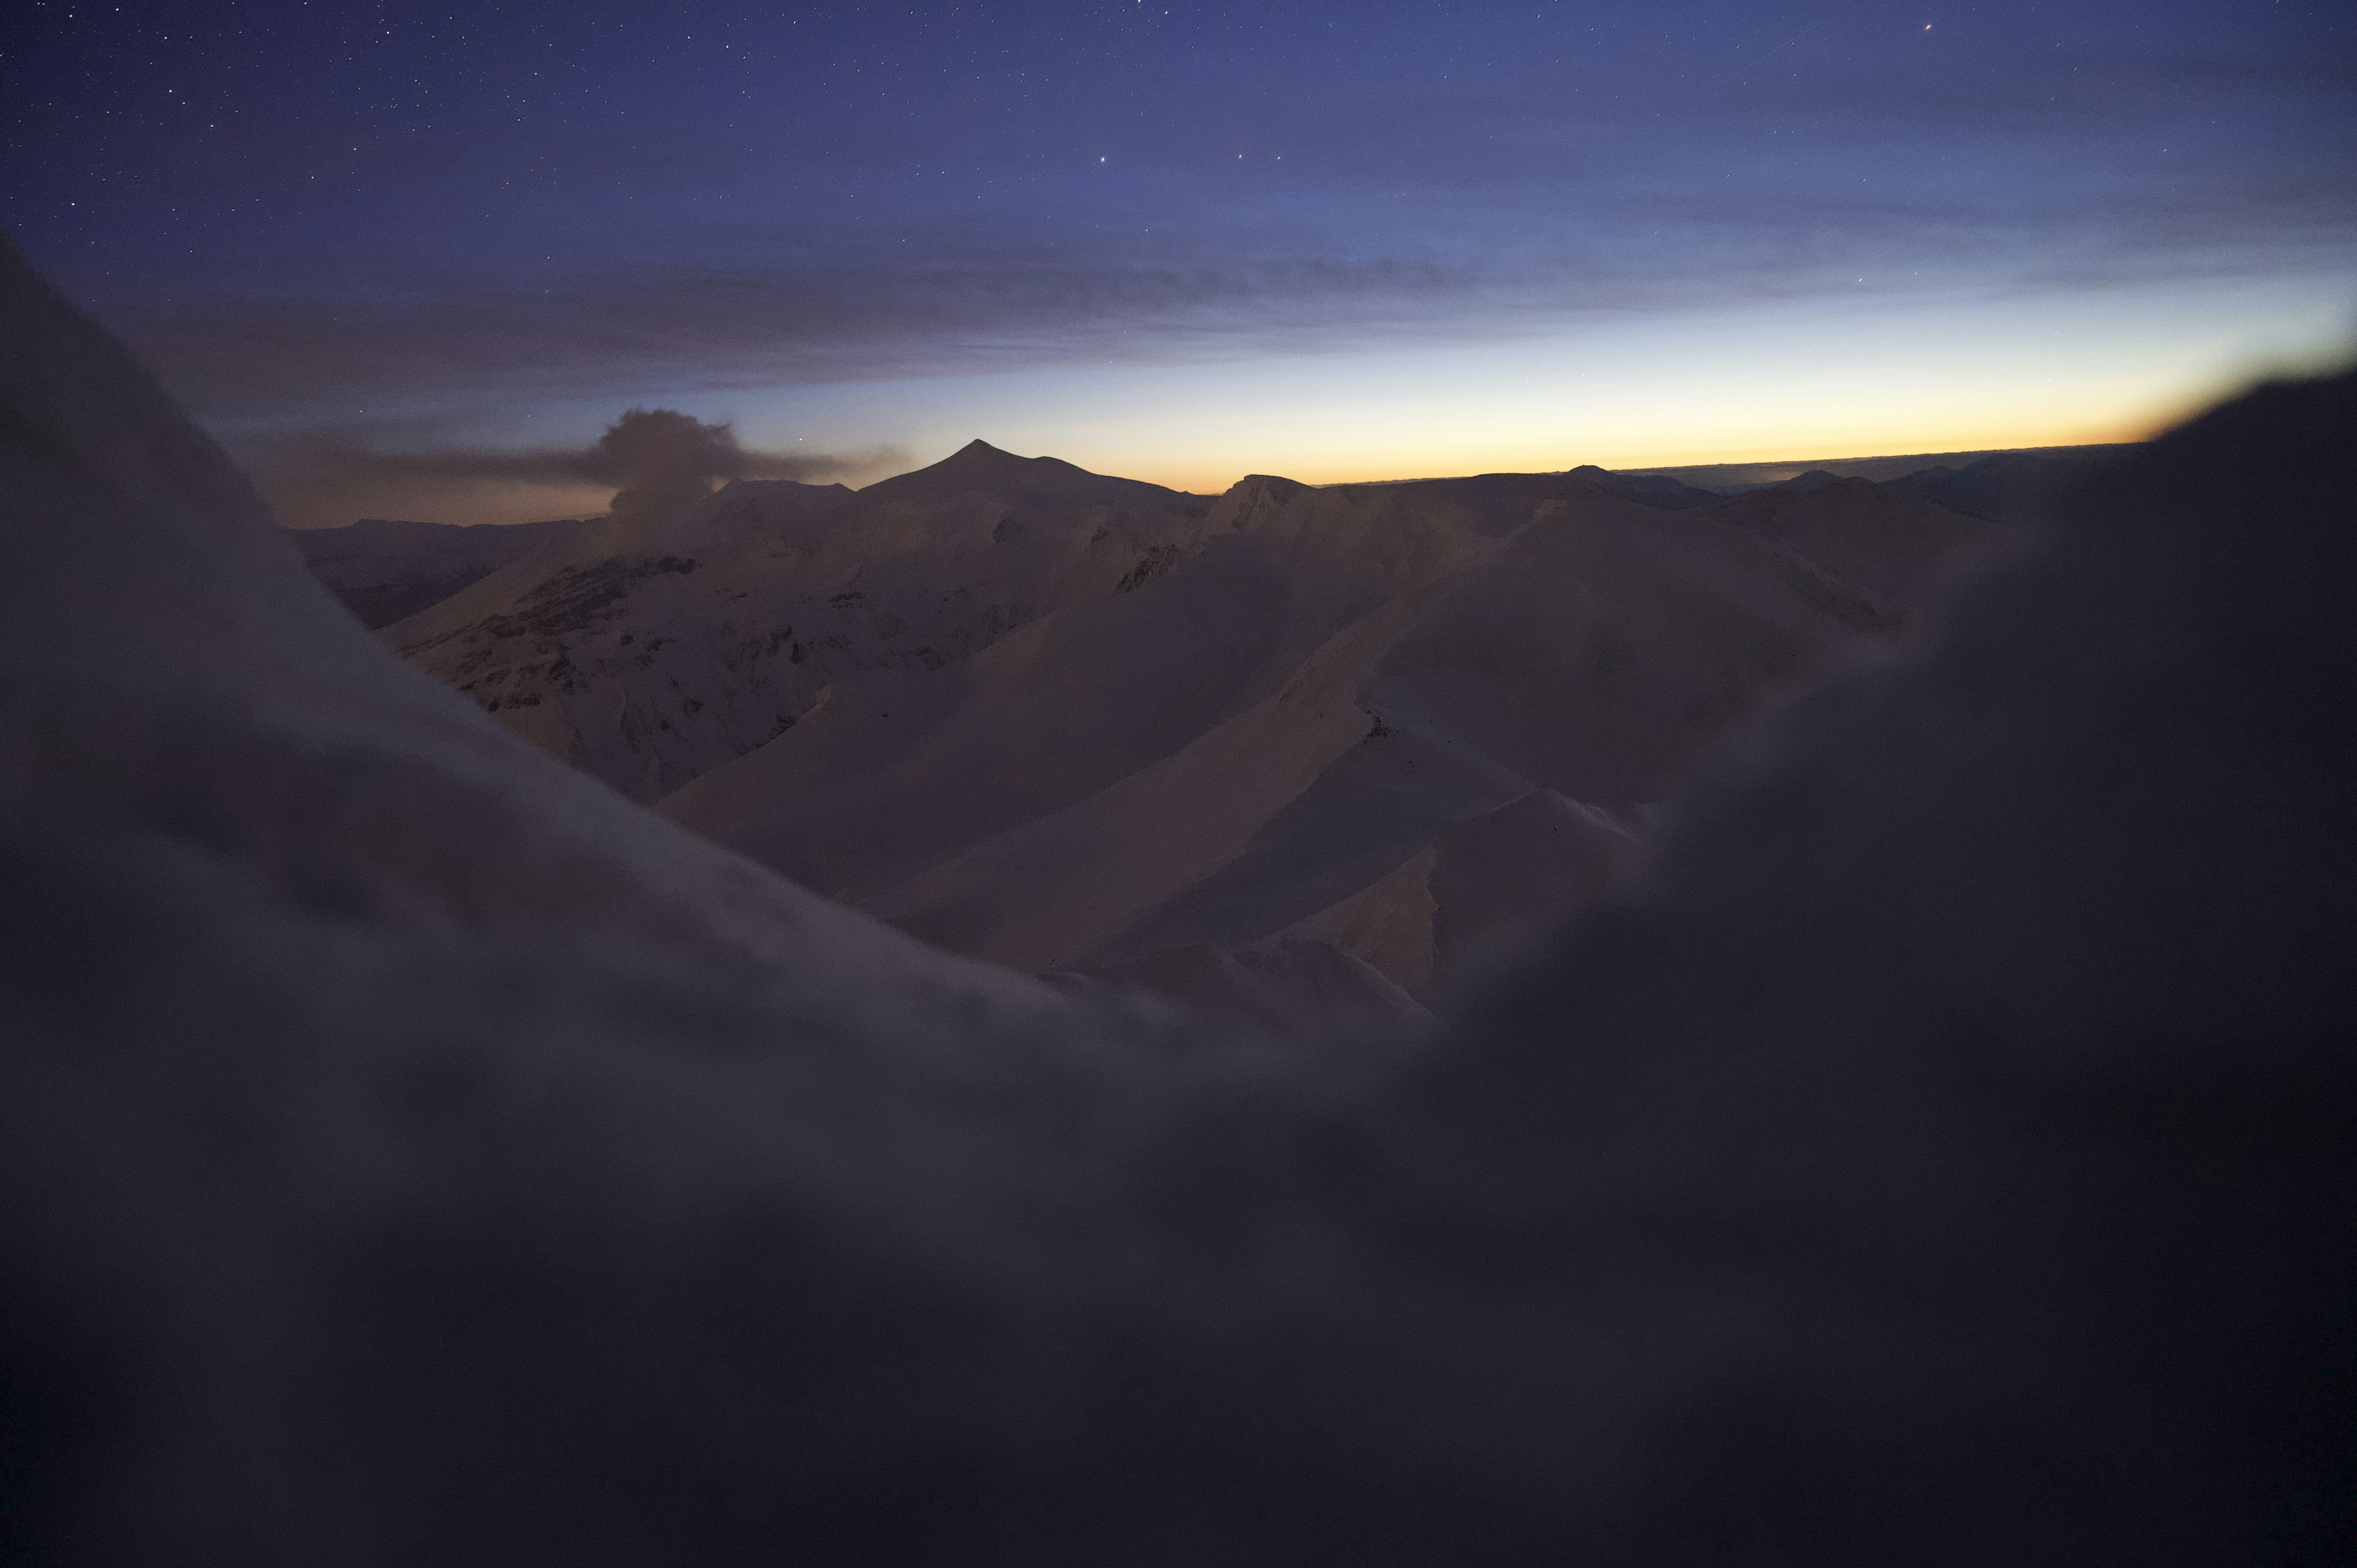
1774, 386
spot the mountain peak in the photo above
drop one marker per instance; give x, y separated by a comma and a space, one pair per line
1815, 479
1657, 491
979, 457
979, 466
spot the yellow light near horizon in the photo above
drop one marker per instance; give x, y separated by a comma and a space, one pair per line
1693, 428
1770, 384
2049, 373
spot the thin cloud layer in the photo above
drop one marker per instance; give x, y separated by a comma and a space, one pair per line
647, 460
684, 204
629, 327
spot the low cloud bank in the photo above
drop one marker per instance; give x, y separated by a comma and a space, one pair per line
648, 460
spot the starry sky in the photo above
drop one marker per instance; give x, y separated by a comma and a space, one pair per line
1182, 242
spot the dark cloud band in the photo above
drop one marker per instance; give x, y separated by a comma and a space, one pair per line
648, 458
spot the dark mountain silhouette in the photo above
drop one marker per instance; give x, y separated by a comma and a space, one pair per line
1839, 536
980, 468
1647, 490
1733, 478
2010, 487
1813, 479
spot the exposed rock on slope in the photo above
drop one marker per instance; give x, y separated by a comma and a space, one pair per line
664, 647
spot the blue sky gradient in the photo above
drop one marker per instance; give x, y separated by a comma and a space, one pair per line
1185, 242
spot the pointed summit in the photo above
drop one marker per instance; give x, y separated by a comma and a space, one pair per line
979, 456
992, 471
1814, 479
979, 466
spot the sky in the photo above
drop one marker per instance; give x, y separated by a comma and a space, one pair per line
374, 248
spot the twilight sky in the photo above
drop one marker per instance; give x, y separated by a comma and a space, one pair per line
1179, 242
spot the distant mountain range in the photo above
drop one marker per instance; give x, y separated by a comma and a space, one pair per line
1290, 755
2013, 486
648, 653
2009, 486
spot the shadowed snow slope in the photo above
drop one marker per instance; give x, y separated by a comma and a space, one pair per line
385, 571
167, 666
657, 648
1947, 1155
1067, 723
1237, 752
2015, 487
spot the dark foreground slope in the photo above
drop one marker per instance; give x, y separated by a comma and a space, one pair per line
1944, 1158
167, 667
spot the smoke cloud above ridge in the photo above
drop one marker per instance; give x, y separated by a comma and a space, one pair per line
661, 458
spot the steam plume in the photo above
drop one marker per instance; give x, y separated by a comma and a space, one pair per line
663, 458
